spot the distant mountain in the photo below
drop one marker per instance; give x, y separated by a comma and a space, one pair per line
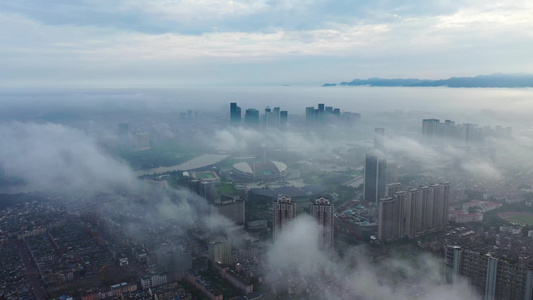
497, 80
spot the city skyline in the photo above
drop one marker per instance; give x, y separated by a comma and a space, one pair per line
265, 150
196, 196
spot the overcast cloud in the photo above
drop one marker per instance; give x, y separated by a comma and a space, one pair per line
132, 42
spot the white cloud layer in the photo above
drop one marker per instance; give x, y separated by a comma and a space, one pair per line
110, 40
59, 159
295, 260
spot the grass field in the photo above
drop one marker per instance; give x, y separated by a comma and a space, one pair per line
205, 175
227, 189
519, 217
167, 154
522, 218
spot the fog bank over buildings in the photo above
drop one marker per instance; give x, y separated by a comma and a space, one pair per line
85, 156
297, 261
56, 158
186, 149
482, 106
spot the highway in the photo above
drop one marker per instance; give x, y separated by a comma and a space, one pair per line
32, 273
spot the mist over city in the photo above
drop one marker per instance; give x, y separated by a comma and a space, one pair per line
266, 150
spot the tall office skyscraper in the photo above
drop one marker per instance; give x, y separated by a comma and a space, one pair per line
375, 177
322, 114
251, 117
310, 114
284, 212
376, 169
272, 117
283, 119
235, 114
379, 137
322, 211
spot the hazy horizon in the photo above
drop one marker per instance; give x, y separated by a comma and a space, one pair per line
484, 105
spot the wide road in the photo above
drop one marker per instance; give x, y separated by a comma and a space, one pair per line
32, 273
201, 161
355, 182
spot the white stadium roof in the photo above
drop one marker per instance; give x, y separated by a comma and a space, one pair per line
280, 166
243, 167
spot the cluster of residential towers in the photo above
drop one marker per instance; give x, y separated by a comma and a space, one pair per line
402, 213
321, 211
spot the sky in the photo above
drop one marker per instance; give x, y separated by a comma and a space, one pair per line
100, 43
